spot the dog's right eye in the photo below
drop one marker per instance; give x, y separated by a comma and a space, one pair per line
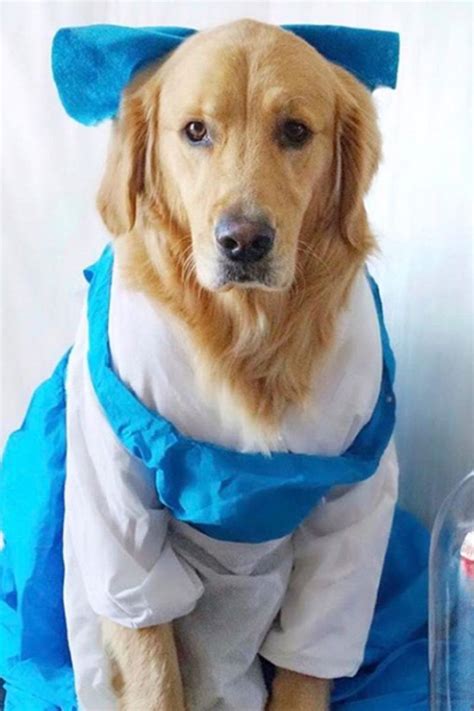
294, 134
196, 132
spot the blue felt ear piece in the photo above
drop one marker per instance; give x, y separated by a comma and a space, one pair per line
92, 65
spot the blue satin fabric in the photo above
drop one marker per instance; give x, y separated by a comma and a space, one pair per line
227, 494
34, 654
92, 65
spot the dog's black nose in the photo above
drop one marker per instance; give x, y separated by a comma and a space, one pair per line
243, 240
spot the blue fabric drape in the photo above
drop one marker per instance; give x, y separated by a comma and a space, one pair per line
226, 494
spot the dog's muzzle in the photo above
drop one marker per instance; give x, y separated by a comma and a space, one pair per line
244, 245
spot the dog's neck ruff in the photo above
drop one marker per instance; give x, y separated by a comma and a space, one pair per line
227, 494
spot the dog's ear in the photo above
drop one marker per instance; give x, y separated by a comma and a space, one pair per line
129, 153
357, 153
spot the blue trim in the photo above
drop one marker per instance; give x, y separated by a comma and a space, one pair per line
226, 494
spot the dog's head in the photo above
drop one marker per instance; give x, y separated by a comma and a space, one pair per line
246, 145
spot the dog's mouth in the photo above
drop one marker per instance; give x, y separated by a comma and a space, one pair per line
217, 273
246, 276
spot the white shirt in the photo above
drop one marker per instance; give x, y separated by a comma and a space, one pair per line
305, 601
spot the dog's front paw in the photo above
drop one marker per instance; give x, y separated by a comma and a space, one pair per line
292, 691
144, 667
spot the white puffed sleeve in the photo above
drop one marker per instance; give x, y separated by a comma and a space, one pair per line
339, 551
118, 561
115, 527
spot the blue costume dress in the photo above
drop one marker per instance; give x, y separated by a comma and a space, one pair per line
220, 493
204, 485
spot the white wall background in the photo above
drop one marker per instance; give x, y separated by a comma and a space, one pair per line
420, 208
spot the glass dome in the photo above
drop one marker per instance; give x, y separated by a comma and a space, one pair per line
451, 602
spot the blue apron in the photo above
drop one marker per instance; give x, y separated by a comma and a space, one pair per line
225, 494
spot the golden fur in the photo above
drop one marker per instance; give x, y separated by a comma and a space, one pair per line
144, 667
162, 197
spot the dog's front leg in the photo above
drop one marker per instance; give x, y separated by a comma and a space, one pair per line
292, 691
145, 671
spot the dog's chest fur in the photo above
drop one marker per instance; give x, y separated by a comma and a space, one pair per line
154, 354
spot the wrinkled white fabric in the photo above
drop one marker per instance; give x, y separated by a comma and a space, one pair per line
305, 602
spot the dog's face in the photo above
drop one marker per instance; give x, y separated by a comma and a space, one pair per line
246, 140
249, 141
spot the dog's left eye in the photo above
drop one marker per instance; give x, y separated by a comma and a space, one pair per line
196, 132
294, 133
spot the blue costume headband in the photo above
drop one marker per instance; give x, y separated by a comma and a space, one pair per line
92, 65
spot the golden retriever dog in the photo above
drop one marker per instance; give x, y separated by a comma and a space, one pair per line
236, 196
